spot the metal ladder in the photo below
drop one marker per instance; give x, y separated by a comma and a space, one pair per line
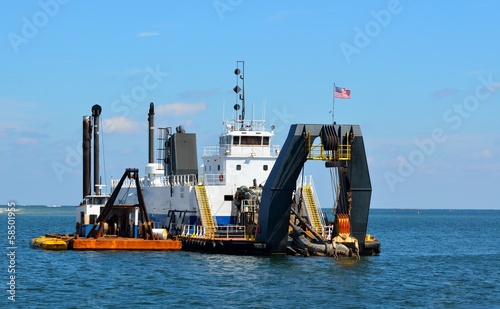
205, 213
312, 210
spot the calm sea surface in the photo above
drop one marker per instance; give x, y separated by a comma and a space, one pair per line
430, 258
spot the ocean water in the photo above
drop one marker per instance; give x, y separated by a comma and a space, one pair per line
429, 259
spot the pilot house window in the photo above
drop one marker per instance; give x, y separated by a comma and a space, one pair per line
251, 140
238, 167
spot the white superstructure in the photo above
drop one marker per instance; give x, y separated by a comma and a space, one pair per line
244, 156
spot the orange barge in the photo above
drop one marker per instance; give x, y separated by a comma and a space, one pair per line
121, 243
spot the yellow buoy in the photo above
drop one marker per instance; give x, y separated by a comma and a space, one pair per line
49, 243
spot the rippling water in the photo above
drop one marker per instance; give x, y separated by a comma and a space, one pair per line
430, 258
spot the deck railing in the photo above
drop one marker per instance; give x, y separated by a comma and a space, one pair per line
327, 232
230, 231
221, 150
222, 231
161, 181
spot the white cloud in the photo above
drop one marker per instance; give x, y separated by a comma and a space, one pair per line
120, 125
445, 92
147, 33
282, 15
27, 141
180, 108
482, 154
23, 117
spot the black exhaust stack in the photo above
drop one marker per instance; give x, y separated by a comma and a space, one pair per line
151, 120
96, 111
87, 131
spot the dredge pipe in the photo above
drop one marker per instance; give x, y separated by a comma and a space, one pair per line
96, 112
304, 242
87, 133
151, 120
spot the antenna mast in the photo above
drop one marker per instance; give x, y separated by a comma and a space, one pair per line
240, 74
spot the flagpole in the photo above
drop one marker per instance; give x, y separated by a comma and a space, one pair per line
333, 105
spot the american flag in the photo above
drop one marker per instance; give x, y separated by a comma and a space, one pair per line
342, 93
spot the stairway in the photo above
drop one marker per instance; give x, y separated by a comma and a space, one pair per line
205, 213
312, 210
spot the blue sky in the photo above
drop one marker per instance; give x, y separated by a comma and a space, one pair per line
424, 81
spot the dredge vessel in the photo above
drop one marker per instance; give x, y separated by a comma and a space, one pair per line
247, 196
